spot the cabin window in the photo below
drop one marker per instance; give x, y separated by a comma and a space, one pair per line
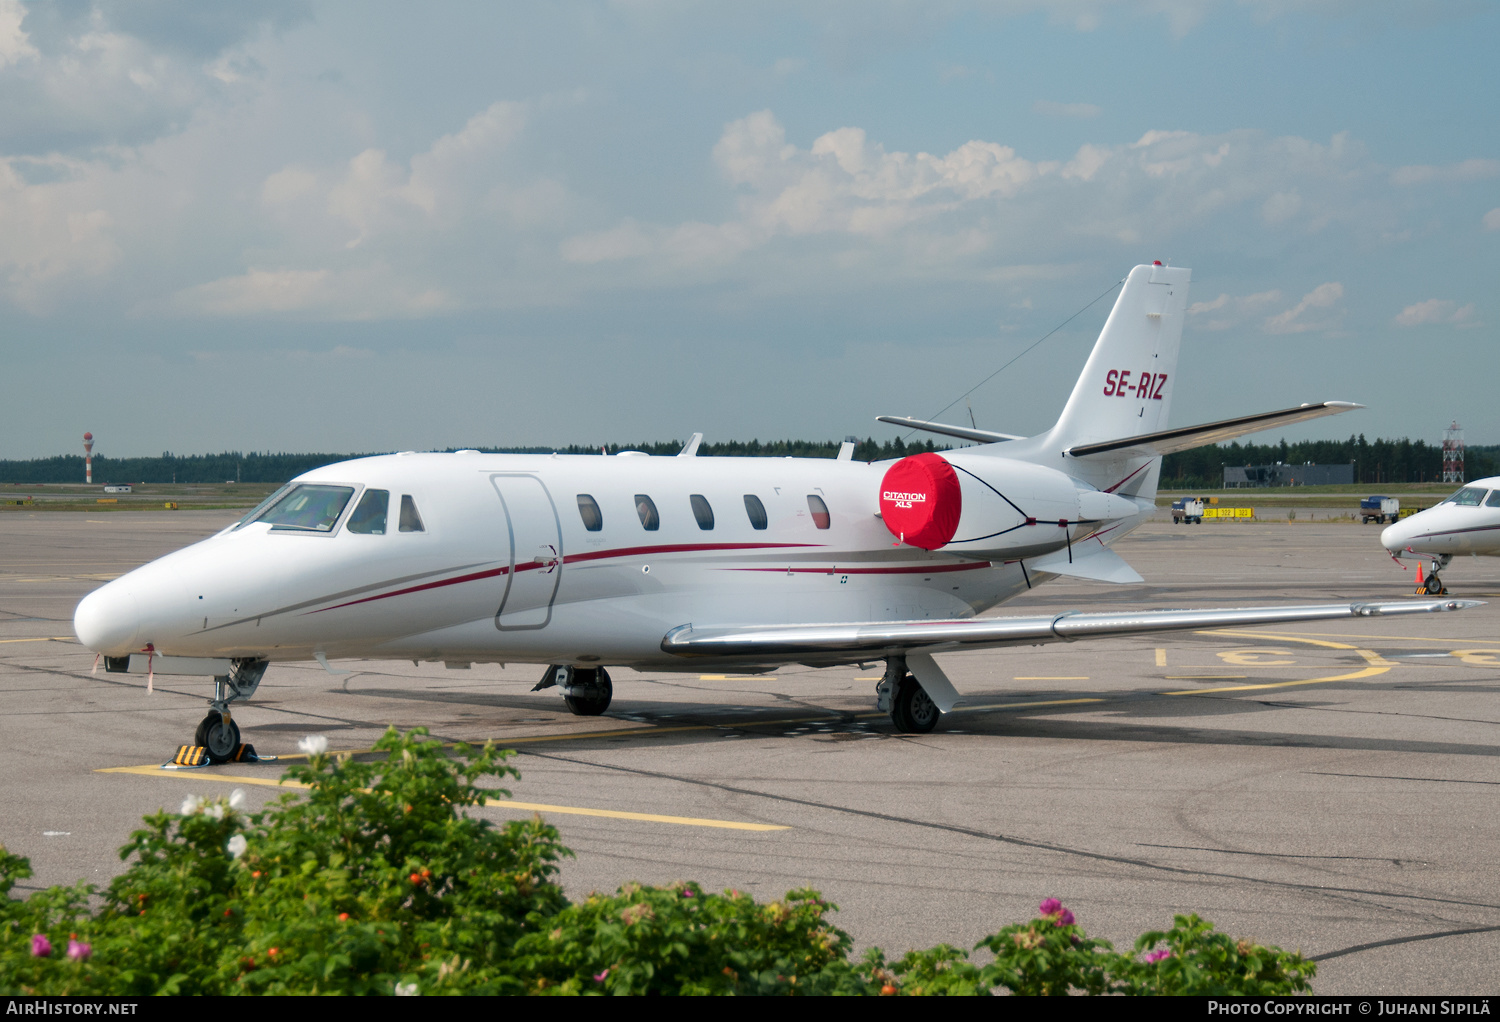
1469, 496
308, 508
411, 521
1494, 500
702, 511
819, 511
646, 508
368, 517
756, 510
588, 510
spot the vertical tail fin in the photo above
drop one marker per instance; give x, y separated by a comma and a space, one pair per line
1126, 385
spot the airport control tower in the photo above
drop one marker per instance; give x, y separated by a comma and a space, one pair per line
88, 457
1453, 453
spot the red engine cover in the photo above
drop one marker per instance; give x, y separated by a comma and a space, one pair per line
920, 501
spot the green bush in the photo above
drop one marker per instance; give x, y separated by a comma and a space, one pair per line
376, 879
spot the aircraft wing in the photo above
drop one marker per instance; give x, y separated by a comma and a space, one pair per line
847, 641
1185, 438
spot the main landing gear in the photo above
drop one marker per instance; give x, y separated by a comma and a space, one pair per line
586, 690
902, 696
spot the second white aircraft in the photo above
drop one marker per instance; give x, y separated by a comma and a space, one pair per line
584, 563
1466, 523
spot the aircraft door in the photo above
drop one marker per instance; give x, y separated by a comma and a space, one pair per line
534, 535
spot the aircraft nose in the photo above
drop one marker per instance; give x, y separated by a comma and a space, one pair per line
107, 621
1395, 537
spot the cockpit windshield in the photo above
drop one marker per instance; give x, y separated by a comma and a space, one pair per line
308, 507
255, 512
1469, 496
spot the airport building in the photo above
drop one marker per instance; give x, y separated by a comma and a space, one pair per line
1288, 475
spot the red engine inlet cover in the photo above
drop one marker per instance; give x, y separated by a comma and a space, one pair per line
920, 501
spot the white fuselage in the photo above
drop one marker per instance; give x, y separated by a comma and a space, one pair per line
504, 568
1468, 522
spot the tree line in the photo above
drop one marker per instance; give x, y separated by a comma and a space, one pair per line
255, 467
1375, 461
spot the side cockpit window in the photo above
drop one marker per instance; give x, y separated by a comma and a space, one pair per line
588, 510
1494, 500
702, 511
368, 517
645, 507
308, 507
411, 521
757, 511
821, 518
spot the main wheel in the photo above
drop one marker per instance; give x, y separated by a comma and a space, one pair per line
595, 683
913, 711
220, 739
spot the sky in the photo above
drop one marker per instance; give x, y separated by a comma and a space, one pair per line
295, 226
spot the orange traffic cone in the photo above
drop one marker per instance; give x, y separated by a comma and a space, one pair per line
1419, 573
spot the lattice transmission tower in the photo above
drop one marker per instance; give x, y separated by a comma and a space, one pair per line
1453, 454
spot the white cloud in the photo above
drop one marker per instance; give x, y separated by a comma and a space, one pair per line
1316, 311
1491, 220
985, 194
366, 293
1051, 109
15, 45
1437, 310
1227, 311
1466, 170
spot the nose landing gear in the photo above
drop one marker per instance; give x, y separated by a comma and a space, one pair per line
217, 739
1433, 586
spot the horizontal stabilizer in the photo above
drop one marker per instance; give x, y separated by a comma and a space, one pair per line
1089, 559
1170, 441
847, 642
982, 436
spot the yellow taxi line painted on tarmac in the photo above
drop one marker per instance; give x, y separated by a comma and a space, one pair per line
1289, 636
1368, 672
149, 770
1236, 633
1041, 677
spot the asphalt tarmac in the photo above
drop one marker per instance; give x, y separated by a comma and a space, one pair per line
1327, 787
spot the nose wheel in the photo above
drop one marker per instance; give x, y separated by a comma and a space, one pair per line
220, 736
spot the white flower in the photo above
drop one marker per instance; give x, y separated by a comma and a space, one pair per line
236, 846
237, 798
313, 745
406, 990
216, 811
191, 805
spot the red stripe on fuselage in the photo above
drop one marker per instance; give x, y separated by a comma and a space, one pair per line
933, 570
634, 551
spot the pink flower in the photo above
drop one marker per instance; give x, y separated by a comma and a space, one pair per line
1152, 957
79, 951
41, 947
1064, 918
599, 976
687, 893
1050, 906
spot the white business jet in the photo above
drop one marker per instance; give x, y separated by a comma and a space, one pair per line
583, 563
1466, 523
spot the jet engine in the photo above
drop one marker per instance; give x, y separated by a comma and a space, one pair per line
991, 508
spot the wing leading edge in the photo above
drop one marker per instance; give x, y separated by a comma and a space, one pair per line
1185, 438
843, 641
